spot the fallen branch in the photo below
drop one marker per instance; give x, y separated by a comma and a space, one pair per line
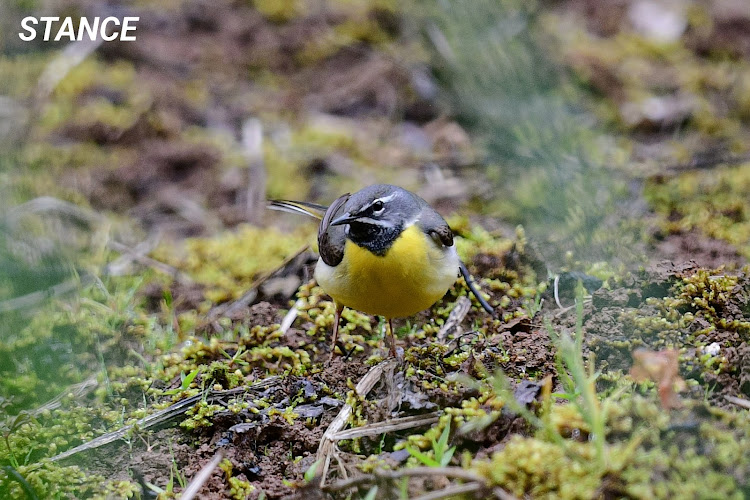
163, 417
43, 204
450, 491
71, 56
474, 481
76, 390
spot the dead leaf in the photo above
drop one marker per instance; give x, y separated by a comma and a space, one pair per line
661, 367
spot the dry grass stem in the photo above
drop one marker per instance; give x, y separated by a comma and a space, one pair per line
327, 446
200, 479
166, 416
392, 425
457, 315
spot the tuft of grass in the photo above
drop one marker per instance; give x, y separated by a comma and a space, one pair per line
442, 454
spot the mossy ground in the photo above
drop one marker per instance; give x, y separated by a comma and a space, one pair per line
154, 154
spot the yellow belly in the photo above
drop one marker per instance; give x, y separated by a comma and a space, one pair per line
414, 274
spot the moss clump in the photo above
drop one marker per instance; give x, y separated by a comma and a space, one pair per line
54, 481
531, 467
279, 11
714, 203
62, 345
229, 263
80, 100
52, 432
316, 308
648, 456
238, 489
704, 457
199, 416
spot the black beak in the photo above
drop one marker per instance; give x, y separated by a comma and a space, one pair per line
346, 218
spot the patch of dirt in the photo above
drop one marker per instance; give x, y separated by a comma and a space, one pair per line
692, 245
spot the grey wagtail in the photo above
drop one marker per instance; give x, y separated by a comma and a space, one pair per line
383, 251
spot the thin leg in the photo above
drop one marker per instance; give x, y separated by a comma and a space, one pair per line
391, 338
336, 321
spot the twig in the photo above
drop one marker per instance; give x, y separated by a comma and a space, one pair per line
327, 445
288, 320
71, 56
704, 162
457, 315
744, 403
200, 479
393, 425
35, 298
175, 273
453, 472
165, 416
118, 266
76, 390
50, 204
556, 289
458, 489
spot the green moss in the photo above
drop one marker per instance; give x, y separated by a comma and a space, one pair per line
707, 461
531, 467
648, 458
61, 345
714, 203
67, 107
229, 263
279, 11
22, 74
200, 416
54, 481
238, 489
53, 432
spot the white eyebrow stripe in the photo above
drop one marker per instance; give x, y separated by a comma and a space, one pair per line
384, 199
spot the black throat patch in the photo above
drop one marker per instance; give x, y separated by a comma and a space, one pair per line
375, 238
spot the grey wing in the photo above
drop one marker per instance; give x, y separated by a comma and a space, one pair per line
433, 224
331, 239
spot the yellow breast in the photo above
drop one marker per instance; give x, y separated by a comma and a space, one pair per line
412, 275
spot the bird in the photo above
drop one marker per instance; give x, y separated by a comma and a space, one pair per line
383, 251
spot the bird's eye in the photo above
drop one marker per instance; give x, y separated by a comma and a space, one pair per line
377, 206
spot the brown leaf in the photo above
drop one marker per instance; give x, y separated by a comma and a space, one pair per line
661, 367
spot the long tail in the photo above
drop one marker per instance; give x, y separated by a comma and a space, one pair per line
473, 288
299, 207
